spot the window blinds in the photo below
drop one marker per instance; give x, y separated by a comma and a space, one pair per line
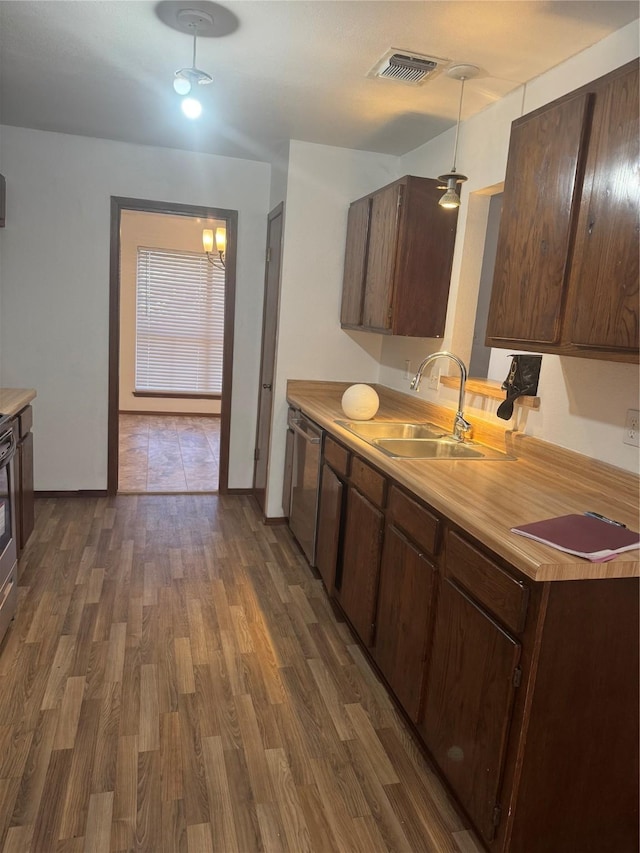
179, 323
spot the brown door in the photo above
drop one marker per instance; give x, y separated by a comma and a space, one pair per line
469, 700
381, 264
360, 564
405, 603
535, 230
355, 262
268, 352
604, 278
329, 518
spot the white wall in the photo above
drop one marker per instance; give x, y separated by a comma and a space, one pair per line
157, 231
321, 183
583, 402
55, 284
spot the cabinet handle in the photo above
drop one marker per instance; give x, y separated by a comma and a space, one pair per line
590, 228
266, 386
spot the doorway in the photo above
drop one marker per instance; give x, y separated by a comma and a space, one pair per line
183, 432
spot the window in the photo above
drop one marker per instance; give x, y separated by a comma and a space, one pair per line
179, 323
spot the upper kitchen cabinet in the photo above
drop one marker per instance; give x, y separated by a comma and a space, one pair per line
566, 273
398, 260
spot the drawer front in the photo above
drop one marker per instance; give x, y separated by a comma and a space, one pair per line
337, 456
487, 582
25, 421
368, 481
418, 523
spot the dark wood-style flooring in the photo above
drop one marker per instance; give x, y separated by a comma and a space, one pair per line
176, 680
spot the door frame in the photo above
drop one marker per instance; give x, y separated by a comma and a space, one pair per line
118, 204
278, 211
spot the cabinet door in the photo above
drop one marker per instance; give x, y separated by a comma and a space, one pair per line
531, 268
468, 702
355, 262
405, 601
383, 242
329, 522
361, 563
604, 281
25, 490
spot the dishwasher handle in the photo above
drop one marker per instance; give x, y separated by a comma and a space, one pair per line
294, 424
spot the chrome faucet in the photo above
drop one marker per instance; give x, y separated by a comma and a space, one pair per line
461, 427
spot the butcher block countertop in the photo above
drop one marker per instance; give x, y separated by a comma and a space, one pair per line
485, 497
13, 400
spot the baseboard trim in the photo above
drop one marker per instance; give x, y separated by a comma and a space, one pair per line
274, 520
238, 492
79, 493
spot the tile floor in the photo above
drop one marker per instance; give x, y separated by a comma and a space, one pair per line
164, 453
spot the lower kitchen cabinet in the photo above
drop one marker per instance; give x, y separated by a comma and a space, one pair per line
329, 525
361, 563
524, 694
405, 606
23, 466
468, 703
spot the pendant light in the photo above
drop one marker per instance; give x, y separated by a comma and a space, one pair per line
451, 198
186, 78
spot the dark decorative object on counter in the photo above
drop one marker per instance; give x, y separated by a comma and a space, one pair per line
522, 381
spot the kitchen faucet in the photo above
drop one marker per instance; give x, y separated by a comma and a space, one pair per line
461, 427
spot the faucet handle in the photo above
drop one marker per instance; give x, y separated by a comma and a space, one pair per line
462, 429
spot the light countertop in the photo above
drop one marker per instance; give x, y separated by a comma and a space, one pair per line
487, 498
13, 400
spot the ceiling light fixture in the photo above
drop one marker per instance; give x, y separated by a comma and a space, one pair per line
186, 78
451, 198
221, 245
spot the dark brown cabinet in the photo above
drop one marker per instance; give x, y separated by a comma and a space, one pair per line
405, 610
398, 258
468, 703
566, 273
23, 464
406, 597
364, 525
329, 526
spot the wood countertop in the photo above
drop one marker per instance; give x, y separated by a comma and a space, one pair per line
13, 400
486, 497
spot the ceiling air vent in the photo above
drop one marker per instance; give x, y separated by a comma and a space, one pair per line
405, 67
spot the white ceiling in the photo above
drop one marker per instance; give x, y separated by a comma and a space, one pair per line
293, 69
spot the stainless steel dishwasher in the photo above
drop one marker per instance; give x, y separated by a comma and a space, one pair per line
305, 481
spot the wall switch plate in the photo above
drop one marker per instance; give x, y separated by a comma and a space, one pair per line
632, 428
434, 380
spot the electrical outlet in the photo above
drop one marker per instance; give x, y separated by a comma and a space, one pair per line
434, 379
632, 428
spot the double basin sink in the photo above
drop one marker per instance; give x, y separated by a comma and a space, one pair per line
418, 441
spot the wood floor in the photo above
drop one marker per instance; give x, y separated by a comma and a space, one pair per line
168, 453
175, 680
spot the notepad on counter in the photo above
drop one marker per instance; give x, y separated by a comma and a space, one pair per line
582, 535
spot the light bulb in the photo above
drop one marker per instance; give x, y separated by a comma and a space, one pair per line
451, 198
191, 108
181, 85
207, 240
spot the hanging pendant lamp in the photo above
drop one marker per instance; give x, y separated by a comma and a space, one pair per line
452, 179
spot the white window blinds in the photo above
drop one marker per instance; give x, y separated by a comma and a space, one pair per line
179, 323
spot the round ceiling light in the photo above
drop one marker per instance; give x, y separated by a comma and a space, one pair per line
191, 108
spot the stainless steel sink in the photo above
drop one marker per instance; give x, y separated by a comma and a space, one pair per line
372, 430
438, 448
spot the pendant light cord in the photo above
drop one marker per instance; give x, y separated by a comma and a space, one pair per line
455, 147
195, 36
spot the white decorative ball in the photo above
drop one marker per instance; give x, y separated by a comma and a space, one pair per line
360, 402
